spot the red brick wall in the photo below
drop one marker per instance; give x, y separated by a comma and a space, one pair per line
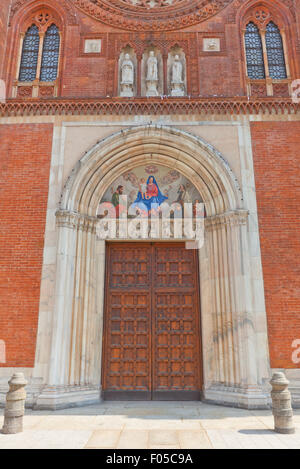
25, 152
96, 75
276, 149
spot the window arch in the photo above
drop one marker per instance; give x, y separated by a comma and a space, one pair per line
254, 52
50, 54
30, 53
37, 72
266, 50
275, 52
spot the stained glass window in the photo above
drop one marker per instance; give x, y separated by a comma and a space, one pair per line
275, 52
50, 54
30, 53
254, 53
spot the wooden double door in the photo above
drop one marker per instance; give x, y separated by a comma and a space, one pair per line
151, 346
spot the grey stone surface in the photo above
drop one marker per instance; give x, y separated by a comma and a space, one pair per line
281, 404
15, 405
153, 425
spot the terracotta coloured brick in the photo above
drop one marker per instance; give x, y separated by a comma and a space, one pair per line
25, 152
276, 149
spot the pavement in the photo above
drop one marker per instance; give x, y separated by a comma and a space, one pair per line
150, 425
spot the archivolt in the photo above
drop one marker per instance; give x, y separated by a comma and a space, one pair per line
197, 160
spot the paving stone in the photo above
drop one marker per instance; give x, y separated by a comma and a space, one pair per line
163, 437
44, 439
164, 447
153, 425
193, 439
103, 438
137, 439
63, 422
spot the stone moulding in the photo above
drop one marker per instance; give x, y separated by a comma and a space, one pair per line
76, 220
233, 218
153, 106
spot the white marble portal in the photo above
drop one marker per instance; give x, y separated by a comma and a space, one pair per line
234, 330
67, 369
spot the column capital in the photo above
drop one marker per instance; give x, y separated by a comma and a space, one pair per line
233, 218
76, 221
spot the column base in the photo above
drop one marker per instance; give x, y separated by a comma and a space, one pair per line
250, 398
63, 397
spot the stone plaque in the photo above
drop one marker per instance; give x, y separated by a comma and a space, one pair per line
92, 46
211, 44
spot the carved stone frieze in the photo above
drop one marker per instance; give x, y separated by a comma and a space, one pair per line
236, 218
155, 106
77, 221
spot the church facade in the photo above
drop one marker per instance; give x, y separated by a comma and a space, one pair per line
151, 102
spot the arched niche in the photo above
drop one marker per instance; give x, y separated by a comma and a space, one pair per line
127, 70
176, 67
152, 88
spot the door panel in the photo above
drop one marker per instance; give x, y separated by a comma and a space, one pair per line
127, 353
151, 343
175, 319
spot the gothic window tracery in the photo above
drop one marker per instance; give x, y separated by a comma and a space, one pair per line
266, 54
50, 54
276, 61
30, 52
38, 67
254, 52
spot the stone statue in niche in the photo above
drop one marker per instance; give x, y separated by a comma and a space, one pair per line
152, 75
127, 77
177, 84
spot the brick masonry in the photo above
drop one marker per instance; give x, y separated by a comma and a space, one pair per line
25, 152
277, 167
83, 75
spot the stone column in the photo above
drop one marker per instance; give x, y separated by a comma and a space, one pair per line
281, 404
232, 360
62, 318
15, 404
165, 69
138, 75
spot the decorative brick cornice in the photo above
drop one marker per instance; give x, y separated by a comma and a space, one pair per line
152, 106
131, 17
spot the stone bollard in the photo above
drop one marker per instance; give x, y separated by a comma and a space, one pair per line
15, 405
281, 404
